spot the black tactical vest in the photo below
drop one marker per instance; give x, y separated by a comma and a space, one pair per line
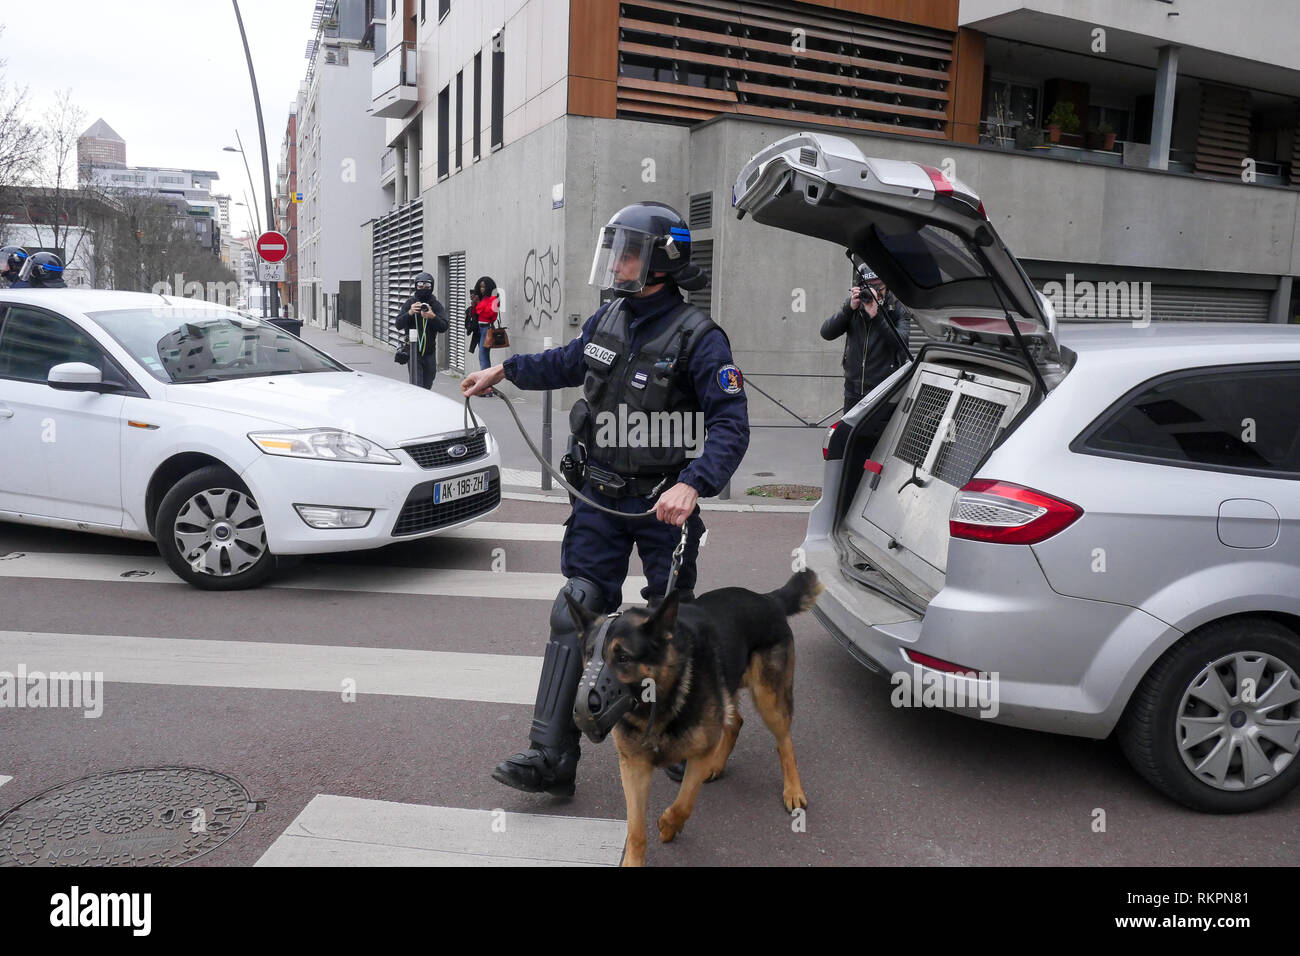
623, 387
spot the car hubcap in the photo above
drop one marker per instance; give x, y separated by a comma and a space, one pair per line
220, 532
1238, 725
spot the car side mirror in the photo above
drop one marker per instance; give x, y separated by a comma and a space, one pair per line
77, 377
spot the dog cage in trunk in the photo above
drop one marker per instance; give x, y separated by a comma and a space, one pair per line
942, 428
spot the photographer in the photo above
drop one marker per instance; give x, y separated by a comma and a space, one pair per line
871, 353
427, 316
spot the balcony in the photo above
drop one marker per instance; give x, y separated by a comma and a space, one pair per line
393, 89
387, 166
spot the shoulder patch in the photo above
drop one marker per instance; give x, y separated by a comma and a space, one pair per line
729, 380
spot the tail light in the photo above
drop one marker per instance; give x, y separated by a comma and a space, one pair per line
834, 442
1003, 513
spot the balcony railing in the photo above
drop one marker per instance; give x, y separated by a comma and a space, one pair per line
393, 82
394, 68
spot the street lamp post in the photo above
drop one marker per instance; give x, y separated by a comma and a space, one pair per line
261, 131
257, 219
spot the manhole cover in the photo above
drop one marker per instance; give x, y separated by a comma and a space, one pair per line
162, 817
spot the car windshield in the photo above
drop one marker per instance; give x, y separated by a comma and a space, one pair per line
192, 345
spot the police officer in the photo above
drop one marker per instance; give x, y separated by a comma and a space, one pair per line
645, 351
11, 263
428, 317
45, 271
871, 352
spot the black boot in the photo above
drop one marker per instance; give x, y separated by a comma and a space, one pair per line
542, 769
550, 765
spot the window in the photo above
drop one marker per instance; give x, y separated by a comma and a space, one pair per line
931, 256
32, 343
392, 9
421, 11
443, 101
498, 89
478, 99
460, 120
1229, 419
1013, 104
444, 7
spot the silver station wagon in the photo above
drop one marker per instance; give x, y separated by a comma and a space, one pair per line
1098, 525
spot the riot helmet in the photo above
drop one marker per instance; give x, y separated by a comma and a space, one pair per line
44, 269
11, 261
642, 240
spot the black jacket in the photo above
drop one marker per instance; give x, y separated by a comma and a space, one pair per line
870, 352
428, 328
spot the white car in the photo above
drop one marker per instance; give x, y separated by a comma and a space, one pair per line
219, 436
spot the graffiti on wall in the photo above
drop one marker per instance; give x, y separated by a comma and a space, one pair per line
541, 286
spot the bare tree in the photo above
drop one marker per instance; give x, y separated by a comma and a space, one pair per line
21, 142
55, 205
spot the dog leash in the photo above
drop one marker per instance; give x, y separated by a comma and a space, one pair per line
654, 492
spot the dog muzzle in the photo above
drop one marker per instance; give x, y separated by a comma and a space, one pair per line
602, 699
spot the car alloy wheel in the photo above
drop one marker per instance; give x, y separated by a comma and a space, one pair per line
1239, 720
219, 532
1215, 722
211, 533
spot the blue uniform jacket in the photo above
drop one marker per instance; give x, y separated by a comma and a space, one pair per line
726, 410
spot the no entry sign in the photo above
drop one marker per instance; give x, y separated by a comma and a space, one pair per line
272, 246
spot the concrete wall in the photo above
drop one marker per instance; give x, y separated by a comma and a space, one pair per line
498, 212
1258, 30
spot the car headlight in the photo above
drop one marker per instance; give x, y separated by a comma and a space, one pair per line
330, 444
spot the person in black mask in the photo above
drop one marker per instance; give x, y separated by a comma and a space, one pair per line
647, 352
422, 317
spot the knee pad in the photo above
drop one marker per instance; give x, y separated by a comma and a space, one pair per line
585, 593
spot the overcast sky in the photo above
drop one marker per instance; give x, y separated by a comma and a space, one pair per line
168, 75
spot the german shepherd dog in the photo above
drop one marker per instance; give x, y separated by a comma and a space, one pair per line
698, 656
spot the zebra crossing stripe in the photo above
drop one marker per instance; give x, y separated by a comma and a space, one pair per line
445, 675
4, 780
348, 831
445, 582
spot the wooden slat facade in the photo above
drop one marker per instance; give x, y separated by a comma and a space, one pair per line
854, 71
1223, 138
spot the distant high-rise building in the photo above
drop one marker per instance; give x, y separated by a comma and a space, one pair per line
99, 146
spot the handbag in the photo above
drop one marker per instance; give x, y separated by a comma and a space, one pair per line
498, 337
403, 354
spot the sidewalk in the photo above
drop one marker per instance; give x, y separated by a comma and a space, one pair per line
775, 455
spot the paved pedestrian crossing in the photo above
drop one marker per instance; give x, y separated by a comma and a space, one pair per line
347, 831
334, 830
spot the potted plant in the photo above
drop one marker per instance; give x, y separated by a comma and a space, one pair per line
1107, 135
1062, 119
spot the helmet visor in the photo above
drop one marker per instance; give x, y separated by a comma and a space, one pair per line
622, 260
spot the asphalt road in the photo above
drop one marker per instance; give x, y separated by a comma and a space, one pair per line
240, 683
